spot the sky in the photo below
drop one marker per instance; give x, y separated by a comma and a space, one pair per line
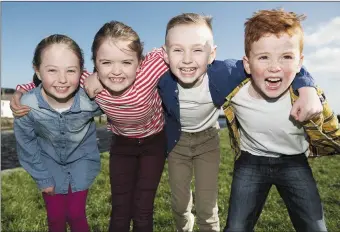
25, 24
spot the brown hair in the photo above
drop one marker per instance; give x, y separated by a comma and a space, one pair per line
187, 19
117, 31
55, 39
276, 22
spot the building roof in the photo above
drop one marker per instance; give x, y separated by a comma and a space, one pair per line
7, 93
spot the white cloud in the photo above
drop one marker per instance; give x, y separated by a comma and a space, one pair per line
324, 33
322, 58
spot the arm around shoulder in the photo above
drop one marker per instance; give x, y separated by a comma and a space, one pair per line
328, 124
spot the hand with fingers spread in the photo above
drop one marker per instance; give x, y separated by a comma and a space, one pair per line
18, 110
307, 106
92, 85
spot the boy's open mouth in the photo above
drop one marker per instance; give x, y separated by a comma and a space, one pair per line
273, 82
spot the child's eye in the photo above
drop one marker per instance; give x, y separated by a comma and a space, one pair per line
52, 70
198, 50
288, 57
177, 50
263, 58
71, 71
127, 62
106, 62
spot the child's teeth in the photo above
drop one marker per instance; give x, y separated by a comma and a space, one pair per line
188, 69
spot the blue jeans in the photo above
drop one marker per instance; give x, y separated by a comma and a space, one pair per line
252, 179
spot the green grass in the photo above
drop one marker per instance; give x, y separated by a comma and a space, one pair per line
22, 207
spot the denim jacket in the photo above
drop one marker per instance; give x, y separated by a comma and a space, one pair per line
58, 149
224, 77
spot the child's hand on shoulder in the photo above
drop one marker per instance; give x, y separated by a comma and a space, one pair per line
49, 190
18, 110
92, 85
307, 106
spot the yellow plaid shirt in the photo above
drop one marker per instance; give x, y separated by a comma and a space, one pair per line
323, 132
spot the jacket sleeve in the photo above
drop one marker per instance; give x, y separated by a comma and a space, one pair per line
29, 152
324, 131
303, 79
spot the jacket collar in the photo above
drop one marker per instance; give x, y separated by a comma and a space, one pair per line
42, 103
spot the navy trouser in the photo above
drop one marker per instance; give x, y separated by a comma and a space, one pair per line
136, 167
252, 179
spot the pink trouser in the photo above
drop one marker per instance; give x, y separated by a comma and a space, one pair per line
70, 207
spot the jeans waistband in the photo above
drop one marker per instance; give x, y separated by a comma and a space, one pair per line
133, 141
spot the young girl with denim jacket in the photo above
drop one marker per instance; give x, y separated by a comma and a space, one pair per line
56, 140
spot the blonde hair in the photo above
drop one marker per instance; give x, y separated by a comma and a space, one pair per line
275, 22
117, 31
188, 19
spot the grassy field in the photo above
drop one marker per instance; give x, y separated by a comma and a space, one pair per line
22, 207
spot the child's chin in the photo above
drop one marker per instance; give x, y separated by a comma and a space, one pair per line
274, 94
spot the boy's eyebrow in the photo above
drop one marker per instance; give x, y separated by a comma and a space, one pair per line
193, 45
259, 53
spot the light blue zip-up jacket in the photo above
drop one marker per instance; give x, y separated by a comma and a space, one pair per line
58, 149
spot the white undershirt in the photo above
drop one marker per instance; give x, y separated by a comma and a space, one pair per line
197, 110
60, 110
265, 127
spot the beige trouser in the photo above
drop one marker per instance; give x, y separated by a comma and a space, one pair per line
198, 152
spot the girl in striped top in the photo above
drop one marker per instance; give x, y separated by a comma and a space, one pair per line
133, 107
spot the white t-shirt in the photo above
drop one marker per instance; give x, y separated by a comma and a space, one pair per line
266, 128
197, 110
60, 110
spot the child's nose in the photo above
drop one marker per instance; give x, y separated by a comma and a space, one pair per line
187, 58
274, 66
62, 78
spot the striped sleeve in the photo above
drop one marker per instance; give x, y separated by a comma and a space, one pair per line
26, 87
83, 76
153, 66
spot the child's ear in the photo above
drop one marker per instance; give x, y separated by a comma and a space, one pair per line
138, 67
212, 55
166, 57
37, 72
300, 63
246, 64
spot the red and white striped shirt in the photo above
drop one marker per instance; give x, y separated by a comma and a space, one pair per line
138, 112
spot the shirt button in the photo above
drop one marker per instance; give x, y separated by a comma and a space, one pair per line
68, 173
175, 141
61, 116
62, 132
